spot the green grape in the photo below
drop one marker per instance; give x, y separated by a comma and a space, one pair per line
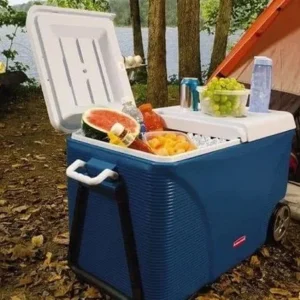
217, 113
229, 110
224, 99
218, 87
233, 81
230, 87
228, 104
210, 94
216, 107
217, 98
227, 80
214, 80
242, 86
223, 85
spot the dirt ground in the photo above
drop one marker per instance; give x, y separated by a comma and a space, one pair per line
34, 223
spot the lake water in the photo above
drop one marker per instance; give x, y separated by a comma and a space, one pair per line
125, 38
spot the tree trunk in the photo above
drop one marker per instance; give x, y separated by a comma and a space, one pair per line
136, 26
157, 90
188, 13
221, 35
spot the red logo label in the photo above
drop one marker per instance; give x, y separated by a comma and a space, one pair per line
239, 241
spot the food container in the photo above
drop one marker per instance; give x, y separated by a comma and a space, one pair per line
167, 143
224, 103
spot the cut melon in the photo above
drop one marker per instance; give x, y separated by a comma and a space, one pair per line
97, 122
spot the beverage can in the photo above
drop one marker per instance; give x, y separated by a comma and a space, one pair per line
189, 95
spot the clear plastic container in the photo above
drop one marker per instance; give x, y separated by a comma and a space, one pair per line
169, 143
225, 103
261, 85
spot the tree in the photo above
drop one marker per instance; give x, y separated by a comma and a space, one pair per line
188, 14
137, 31
221, 35
157, 92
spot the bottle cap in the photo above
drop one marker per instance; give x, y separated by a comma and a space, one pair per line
120, 131
263, 60
117, 129
126, 100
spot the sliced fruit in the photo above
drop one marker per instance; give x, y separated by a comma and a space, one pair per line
97, 122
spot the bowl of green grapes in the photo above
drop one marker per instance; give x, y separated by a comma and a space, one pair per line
224, 97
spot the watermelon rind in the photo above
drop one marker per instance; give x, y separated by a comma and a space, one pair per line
95, 132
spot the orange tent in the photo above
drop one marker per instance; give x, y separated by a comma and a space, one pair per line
275, 34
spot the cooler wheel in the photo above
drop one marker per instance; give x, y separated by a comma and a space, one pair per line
279, 223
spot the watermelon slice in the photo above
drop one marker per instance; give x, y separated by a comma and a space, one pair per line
97, 122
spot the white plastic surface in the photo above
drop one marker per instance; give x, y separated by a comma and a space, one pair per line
78, 136
71, 173
79, 62
253, 127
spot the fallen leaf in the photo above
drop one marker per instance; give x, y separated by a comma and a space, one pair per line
34, 210
62, 239
230, 291
54, 277
265, 252
254, 261
280, 292
236, 277
19, 297
249, 272
40, 157
25, 217
20, 209
21, 251
37, 241
297, 260
47, 261
25, 281
60, 266
298, 276
92, 293
2, 125
2, 202
16, 166
62, 290
61, 186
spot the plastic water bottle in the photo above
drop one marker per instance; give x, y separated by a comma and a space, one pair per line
261, 85
134, 112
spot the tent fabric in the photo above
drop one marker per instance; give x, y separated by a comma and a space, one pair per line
276, 34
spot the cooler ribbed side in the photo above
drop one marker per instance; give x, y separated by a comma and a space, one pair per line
170, 231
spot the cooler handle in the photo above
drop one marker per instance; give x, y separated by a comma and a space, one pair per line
71, 173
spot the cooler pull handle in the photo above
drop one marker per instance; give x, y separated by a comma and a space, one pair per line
71, 173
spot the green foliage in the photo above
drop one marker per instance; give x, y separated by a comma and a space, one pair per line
140, 94
94, 5
243, 14
122, 10
10, 17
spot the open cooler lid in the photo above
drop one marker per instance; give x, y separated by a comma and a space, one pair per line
79, 62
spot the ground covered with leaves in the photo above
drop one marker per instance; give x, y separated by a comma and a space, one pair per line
34, 223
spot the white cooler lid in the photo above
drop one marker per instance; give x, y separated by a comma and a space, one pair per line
79, 62
253, 127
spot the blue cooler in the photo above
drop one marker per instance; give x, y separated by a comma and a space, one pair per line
145, 226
